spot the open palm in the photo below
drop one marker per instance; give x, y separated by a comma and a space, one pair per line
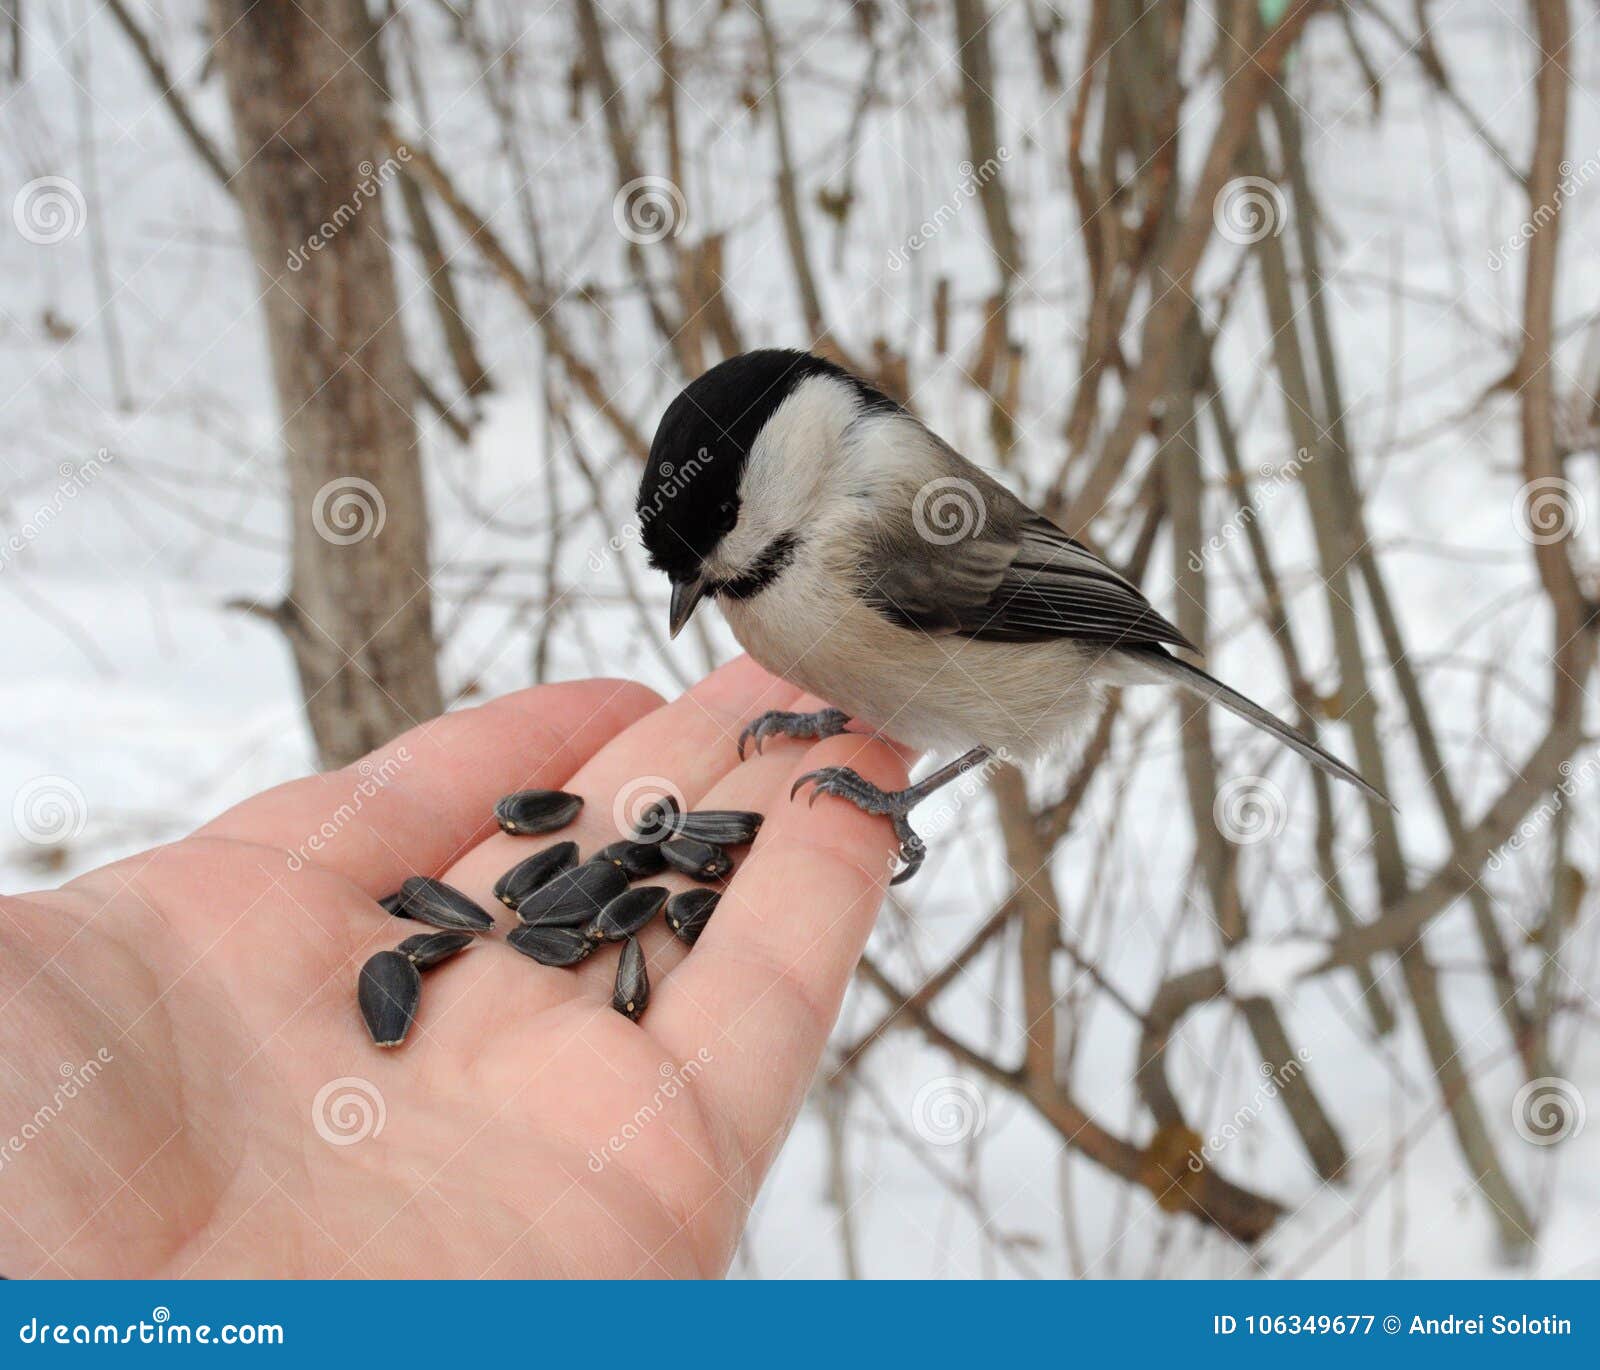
181, 1027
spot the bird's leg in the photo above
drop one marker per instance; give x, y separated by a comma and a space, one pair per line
896, 805
823, 723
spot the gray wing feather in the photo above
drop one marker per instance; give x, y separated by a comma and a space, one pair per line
1014, 577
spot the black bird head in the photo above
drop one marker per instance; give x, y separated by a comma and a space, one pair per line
689, 496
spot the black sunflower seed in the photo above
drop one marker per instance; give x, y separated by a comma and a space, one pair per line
638, 860
394, 904
427, 949
551, 946
574, 898
388, 991
689, 912
722, 827
699, 859
442, 906
631, 994
538, 870
656, 822
627, 913
534, 811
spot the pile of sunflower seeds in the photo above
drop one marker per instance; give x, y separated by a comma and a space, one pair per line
566, 908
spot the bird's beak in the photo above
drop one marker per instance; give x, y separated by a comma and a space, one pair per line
685, 595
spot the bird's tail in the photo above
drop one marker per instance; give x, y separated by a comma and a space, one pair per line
1208, 687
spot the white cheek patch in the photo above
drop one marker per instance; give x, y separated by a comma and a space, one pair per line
790, 470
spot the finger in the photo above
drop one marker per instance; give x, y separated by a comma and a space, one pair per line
758, 784
684, 747
410, 808
762, 989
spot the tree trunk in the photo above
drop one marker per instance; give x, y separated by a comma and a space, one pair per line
357, 615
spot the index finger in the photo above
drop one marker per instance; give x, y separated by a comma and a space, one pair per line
763, 987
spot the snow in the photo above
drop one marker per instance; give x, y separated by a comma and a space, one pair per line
1270, 970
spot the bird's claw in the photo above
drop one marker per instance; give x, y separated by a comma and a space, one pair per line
843, 783
794, 789
777, 722
913, 852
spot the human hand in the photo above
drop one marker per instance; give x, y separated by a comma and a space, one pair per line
527, 1129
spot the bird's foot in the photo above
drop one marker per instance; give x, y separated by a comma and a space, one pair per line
895, 805
776, 723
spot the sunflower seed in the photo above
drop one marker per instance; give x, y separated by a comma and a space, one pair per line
627, 913
689, 912
632, 992
388, 991
427, 949
575, 897
394, 904
723, 827
551, 946
699, 859
538, 870
534, 811
656, 822
442, 906
637, 859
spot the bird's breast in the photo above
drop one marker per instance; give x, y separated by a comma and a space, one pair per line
937, 693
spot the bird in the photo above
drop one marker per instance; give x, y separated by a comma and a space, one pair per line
859, 556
